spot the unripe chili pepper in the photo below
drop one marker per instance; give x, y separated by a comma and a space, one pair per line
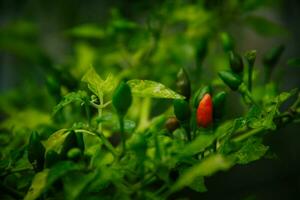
182, 110
230, 79
218, 105
227, 42
51, 158
172, 124
205, 111
271, 57
122, 98
71, 141
183, 83
74, 154
36, 152
199, 95
250, 57
236, 62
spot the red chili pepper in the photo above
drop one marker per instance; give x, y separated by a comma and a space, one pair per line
205, 111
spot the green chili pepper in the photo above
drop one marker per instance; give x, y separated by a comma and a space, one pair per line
230, 79
36, 152
183, 83
122, 98
71, 141
51, 158
227, 42
182, 110
74, 154
218, 105
199, 95
236, 62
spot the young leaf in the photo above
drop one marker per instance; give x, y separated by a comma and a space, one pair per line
79, 96
146, 88
96, 84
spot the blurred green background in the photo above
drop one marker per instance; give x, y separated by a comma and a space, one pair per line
42, 40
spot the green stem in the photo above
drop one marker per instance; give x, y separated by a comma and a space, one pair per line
104, 140
122, 132
247, 134
250, 72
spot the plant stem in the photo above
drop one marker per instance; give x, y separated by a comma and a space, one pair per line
104, 140
122, 132
250, 72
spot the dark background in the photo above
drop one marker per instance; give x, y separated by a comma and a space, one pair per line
263, 179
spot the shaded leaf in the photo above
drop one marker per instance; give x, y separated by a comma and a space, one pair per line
55, 141
264, 26
43, 180
294, 62
207, 167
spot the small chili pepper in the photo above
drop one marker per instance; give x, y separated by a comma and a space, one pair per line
227, 42
122, 98
205, 111
182, 110
36, 152
183, 83
71, 141
199, 95
218, 105
172, 124
236, 62
74, 154
230, 79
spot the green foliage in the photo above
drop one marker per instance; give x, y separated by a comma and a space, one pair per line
139, 139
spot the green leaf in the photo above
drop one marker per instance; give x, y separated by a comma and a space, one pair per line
265, 27
43, 180
146, 88
96, 84
198, 145
207, 167
79, 96
55, 141
252, 150
198, 184
87, 31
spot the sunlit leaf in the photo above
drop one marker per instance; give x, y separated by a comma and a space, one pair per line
206, 167
96, 84
146, 88
252, 150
